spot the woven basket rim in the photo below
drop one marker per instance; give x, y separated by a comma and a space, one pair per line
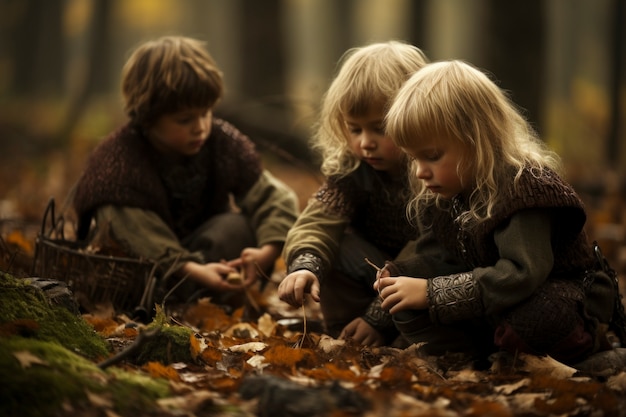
74, 246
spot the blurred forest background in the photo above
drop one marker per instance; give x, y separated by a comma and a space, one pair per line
563, 61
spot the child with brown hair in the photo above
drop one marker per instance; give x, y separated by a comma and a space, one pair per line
176, 184
510, 267
360, 210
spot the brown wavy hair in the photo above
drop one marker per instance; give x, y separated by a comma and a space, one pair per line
169, 74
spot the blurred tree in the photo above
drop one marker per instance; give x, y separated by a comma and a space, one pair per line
37, 50
515, 52
261, 52
417, 29
617, 83
97, 79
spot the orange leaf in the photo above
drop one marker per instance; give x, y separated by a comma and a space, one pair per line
392, 375
17, 238
224, 384
331, 371
208, 316
280, 355
158, 370
103, 326
211, 355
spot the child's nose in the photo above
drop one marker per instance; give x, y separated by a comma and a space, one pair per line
368, 141
201, 124
422, 171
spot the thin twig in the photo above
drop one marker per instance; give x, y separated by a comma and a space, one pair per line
373, 265
178, 284
300, 343
260, 271
142, 338
378, 270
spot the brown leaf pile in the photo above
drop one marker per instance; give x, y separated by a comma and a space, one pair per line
263, 368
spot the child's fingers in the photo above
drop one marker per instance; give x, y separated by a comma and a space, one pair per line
382, 283
383, 272
315, 292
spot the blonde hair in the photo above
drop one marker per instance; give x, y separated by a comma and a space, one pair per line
368, 79
455, 101
169, 74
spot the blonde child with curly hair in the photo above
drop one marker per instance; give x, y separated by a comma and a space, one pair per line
360, 210
503, 261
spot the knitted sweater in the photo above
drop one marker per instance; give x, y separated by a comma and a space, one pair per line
125, 170
370, 203
536, 234
549, 192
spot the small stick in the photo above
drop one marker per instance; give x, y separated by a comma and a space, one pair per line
260, 271
378, 269
373, 265
299, 344
142, 338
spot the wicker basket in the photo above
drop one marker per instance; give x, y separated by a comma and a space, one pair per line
93, 278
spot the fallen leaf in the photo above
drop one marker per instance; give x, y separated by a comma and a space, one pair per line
211, 355
17, 238
197, 344
540, 365
27, 359
525, 402
257, 362
508, 389
267, 325
192, 402
100, 401
329, 344
465, 375
248, 347
285, 356
158, 370
242, 331
617, 382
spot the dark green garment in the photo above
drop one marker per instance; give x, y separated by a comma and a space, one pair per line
270, 205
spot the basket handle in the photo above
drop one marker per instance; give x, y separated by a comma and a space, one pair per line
54, 226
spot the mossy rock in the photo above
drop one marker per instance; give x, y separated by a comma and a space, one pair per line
47, 361
172, 343
41, 378
25, 311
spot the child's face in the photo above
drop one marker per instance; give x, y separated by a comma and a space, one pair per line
369, 143
181, 133
435, 164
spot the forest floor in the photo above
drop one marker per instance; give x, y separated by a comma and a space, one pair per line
269, 360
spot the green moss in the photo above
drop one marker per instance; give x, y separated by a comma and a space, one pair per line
20, 302
40, 388
135, 393
170, 345
61, 377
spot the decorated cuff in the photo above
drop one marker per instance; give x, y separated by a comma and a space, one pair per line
453, 298
378, 318
310, 262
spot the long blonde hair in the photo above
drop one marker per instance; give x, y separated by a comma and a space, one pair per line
452, 100
368, 78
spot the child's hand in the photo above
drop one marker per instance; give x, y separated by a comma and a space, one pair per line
361, 332
212, 275
402, 293
255, 260
293, 287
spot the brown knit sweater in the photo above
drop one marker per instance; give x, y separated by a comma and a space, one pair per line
375, 204
548, 191
125, 170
